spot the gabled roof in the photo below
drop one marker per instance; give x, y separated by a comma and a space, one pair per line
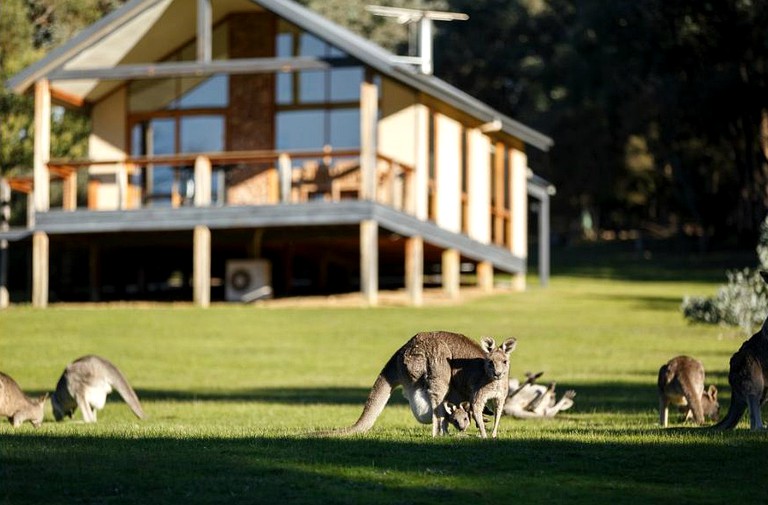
99, 44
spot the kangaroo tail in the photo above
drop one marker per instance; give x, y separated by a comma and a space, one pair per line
118, 381
374, 405
735, 412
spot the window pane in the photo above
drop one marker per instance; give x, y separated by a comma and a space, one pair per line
309, 45
345, 128
311, 87
299, 129
345, 84
202, 134
284, 88
162, 142
212, 92
284, 45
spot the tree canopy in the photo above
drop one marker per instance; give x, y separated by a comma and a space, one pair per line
658, 109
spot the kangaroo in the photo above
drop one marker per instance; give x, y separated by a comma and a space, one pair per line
17, 406
534, 401
85, 383
458, 415
424, 366
748, 377
681, 383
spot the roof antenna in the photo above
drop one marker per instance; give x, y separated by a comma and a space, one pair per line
424, 18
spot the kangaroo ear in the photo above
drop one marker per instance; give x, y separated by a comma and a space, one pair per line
488, 344
466, 406
509, 345
712, 391
449, 408
43, 398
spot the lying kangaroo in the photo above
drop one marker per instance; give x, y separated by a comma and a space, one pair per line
681, 383
17, 406
535, 401
748, 377
85, 383
427, 366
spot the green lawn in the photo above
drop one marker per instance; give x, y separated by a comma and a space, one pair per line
233, 393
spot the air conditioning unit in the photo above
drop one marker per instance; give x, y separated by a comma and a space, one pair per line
248, 280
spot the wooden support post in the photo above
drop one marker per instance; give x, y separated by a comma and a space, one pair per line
201, 274
42, 145
40, 259
122, 186
202, 181
419, 203
204, 31
450, 273
518, 223
544, 241
414, 270
369, 261
485, 276
369, 103
285, 176
69, 191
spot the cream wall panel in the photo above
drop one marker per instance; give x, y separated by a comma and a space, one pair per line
448, 172
398, 123
107, 142
479, 186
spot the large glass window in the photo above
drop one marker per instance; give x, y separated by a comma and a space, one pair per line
315, 108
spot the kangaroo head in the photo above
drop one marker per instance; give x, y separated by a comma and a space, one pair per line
458, 415
709, 403
497, 358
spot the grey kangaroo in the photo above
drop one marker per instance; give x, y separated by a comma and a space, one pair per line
681, 383
85, 383
748, 377
458, 415
428, 366
17, 406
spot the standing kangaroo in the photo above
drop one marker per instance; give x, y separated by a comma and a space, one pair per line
681, 383
748, 377
85, 383
17, 406
425, 366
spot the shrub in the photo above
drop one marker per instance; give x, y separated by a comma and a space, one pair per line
741, 302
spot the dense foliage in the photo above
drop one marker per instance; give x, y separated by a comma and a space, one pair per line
659, 110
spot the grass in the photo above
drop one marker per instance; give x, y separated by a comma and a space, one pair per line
234, 392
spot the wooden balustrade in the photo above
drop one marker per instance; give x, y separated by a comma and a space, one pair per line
252, 178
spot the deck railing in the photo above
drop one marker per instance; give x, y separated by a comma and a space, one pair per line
224, 178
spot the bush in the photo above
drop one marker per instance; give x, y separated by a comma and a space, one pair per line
741, 302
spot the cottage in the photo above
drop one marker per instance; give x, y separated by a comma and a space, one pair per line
248, 148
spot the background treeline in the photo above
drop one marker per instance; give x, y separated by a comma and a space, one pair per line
658, 109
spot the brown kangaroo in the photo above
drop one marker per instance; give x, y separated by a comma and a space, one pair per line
430, 364
681, 383
748, 377
17, 406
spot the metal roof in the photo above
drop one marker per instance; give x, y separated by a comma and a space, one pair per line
122, 21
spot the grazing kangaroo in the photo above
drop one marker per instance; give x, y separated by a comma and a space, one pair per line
534, 401
17, 406
430, 364
85, 383
748, 377
681, 383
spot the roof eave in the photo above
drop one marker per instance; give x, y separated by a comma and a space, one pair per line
55, 59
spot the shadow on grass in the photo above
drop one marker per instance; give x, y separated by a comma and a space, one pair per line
618, 397
89, 469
